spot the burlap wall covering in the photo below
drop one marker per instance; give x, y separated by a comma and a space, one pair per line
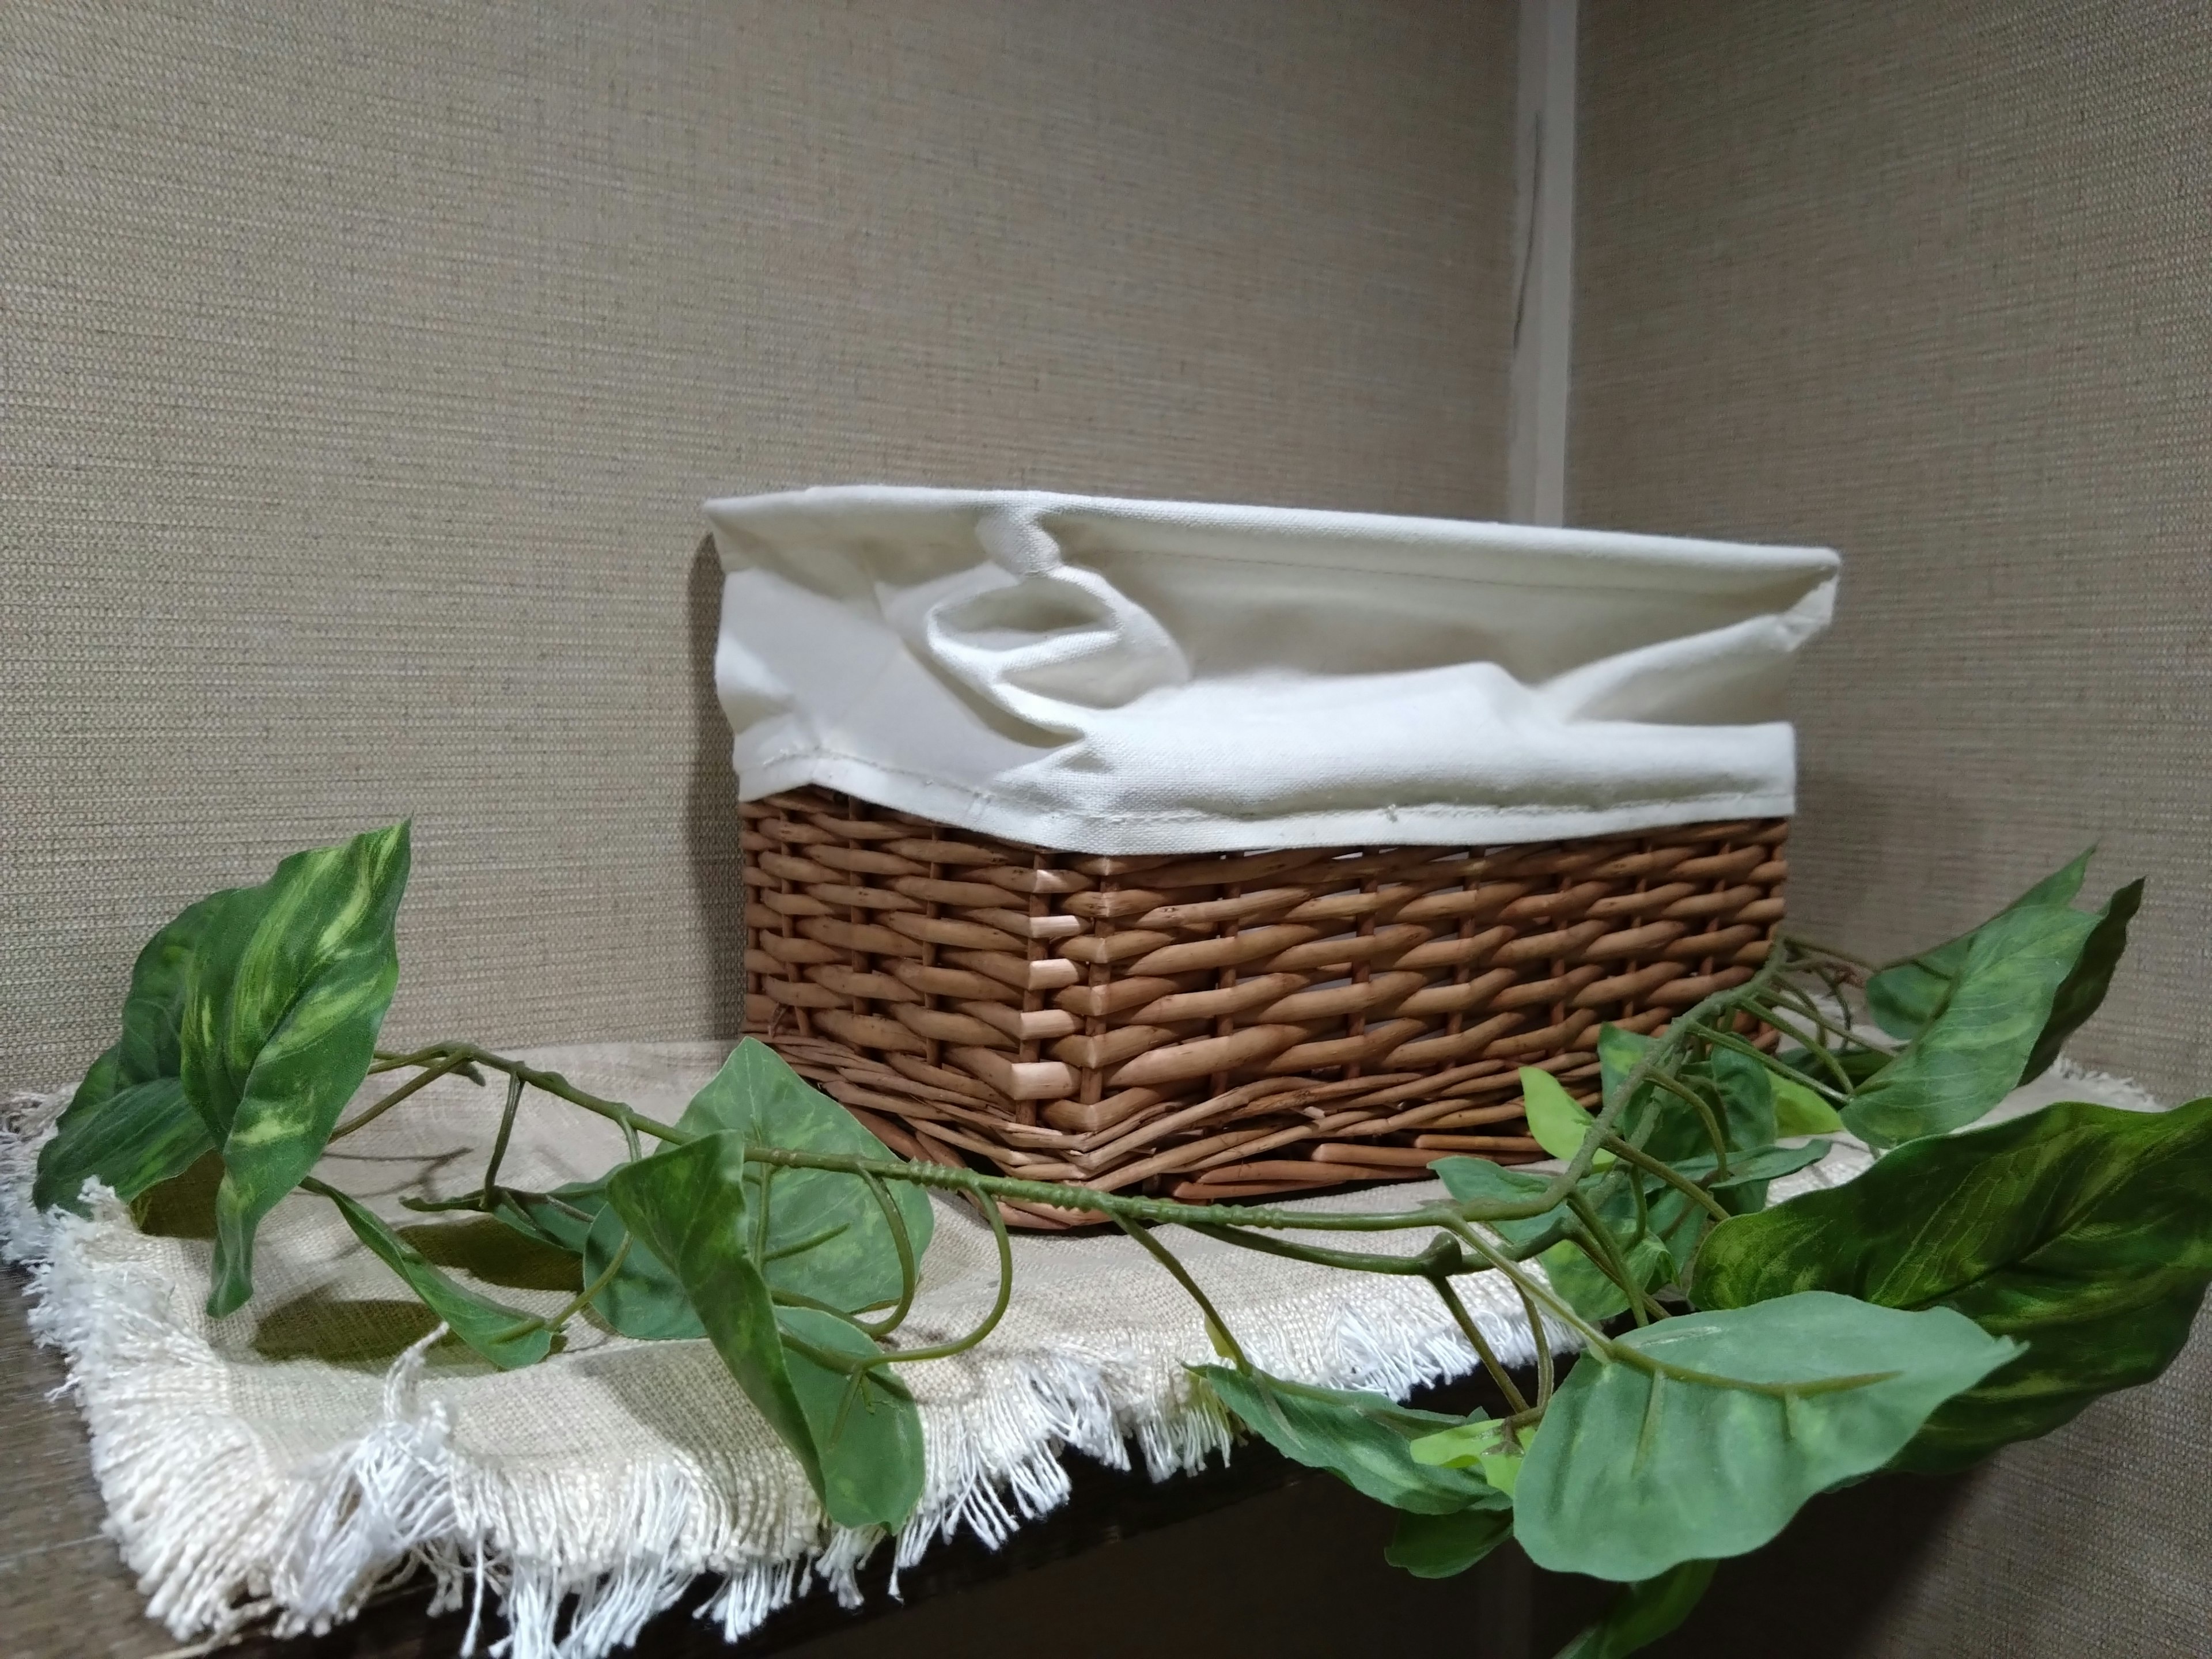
1932, 280
365, 364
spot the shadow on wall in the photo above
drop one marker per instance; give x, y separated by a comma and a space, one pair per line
711, 826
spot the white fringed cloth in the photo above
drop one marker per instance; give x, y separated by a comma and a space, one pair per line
275, 1467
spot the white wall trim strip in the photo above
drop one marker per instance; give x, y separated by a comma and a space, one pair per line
1544, 254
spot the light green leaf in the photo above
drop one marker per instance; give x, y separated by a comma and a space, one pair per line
507, 1338
1361, 1438
1799, 1111
867, 1430
1905, 998
1559, 1125
2083, 1230
288, 989
1971, 1056
1642, 1613
688, 1207
1462, 1446
129, 1124
827, 1239
1707, 1432
2083, 992
1445, 1545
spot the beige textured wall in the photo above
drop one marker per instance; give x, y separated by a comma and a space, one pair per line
363, 366
1931, 280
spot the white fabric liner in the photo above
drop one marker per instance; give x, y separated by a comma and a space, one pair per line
275, 1467
1128, 676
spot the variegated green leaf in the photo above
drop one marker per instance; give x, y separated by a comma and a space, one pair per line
129, 1124
287, 991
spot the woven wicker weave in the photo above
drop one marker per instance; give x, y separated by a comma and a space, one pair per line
1229, 1025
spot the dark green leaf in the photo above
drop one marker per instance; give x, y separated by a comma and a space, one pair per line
129, 1123
1749, 1413
1905, 998
1676, 1130
1971, 1056
2083, 1230
2083, 992
688, 1207
1746, 1096
508, 1339
288, 989
1359, 1437
644, 1300
827, 1239
1644, 1613
560, 1219
1589, 1291
1445, 1545
135, 1139
867, 1430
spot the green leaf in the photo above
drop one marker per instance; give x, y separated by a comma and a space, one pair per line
826, 1237
135, 1139
288, 989
1971, 1056
1675, 1131
560, 1219
2083, 992
1477, 1178
1705, 1433
867, 1430
644, 1300
1575, 1275
129, 1123
1559, 1125
1799, 1111
1445, 1545
1905, 998
1746, 1097
688, 1207
1644, 1613
1361, 1438
507, 1338
2083, 1230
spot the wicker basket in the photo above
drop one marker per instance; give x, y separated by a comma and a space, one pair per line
1230, 1025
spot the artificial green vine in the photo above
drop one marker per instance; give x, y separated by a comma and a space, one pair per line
1738, 1358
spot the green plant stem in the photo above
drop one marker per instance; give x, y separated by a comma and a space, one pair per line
1598, 1242
1811, 1045
1216, 1325
1813, 947
1499, 1376
960, 1345
583, 1297
429, 1076
909, 1270
1673, 1177
1752, 1051
499, 1142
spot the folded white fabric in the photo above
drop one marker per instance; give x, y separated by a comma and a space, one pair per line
1153, 677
